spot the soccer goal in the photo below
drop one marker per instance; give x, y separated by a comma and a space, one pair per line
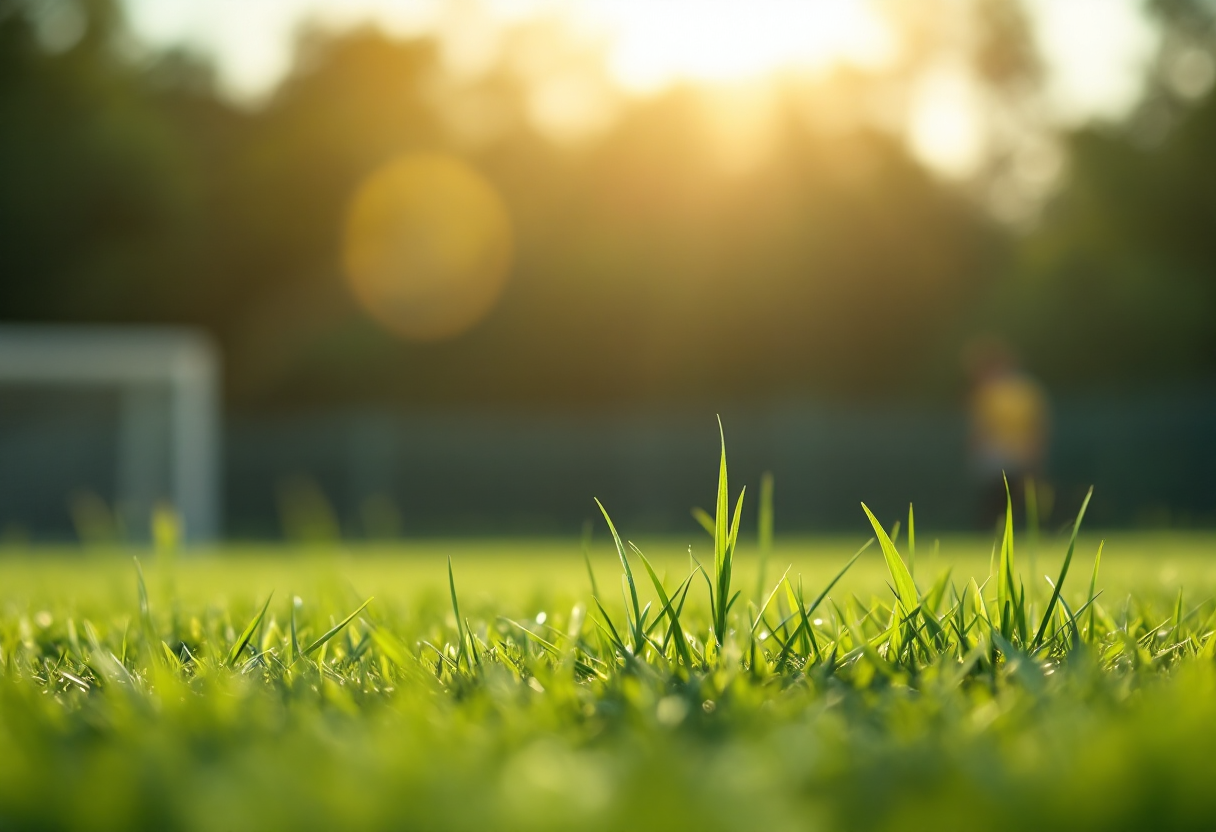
163, 385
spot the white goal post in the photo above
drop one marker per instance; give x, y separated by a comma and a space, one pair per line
168, 382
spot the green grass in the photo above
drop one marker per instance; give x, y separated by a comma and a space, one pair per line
491, 685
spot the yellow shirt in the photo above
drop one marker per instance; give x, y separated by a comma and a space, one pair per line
1009, 422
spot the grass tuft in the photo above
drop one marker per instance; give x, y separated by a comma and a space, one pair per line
667, 708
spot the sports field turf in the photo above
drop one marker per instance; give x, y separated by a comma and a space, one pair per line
250, 688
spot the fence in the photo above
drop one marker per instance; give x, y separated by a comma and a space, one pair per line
383, 473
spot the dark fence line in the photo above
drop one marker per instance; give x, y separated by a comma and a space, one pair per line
381, 473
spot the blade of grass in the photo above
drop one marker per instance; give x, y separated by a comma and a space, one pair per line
334, 630
247, 634
548, 646
769, 600
608, 626
904, 585
145, 611
1059, 585
1093, 585
460, 650
726, 534
294, 645
677, 632
1005, 591
587, 530
633, 590
819, 598
704, 520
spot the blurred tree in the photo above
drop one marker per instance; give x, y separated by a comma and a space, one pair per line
96, 202
653, 262
1117, 284
644, 271
1004, 51
278, 194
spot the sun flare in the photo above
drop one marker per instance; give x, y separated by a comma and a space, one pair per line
428, 246
657, 43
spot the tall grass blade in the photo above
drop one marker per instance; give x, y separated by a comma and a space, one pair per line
609, 628
726, 535
247, 634
1059, 585
334, 630
587, 529
677, 632
728, 565
1006, 598
769, 600
633, 590
721, 540
145, 610
704, 520
824, 594
905, 587
295, 639
456, 611
1093, 585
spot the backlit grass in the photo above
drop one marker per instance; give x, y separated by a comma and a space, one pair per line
899, 684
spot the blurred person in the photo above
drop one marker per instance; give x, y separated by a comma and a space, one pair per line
1009, 426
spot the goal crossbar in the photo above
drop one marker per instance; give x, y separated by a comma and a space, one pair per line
180, 364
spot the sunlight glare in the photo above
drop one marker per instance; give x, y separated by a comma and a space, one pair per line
428, 246
657, 43
945, 127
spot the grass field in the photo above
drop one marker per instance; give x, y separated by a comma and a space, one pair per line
250, 688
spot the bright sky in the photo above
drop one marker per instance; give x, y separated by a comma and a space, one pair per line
1095, 49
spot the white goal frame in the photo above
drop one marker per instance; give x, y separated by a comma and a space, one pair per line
180, 368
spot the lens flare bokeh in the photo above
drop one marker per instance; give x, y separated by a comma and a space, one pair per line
428, 246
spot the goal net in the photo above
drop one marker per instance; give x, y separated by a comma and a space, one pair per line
122, 418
